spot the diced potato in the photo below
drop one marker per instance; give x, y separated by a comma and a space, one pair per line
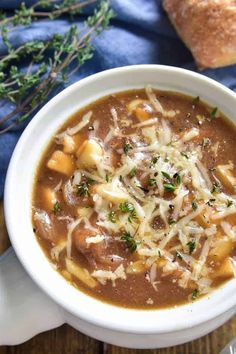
225, 175
84, 212
141, 113
203, 220
161, 262
141, 108
71, 143
136, 267
60, 162
89, 153
221, 249
49, 198
110, 193
225, 271
66, 274
80, 273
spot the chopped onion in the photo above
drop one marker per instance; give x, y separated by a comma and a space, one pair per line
71, 228
204, 173
69, 193
56, 250
58, 186
44, 224
84, 121
77, 178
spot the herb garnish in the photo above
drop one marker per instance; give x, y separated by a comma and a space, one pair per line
171, 221
185, 155
194, 204
166, 175
191, 246
195, 294
133, 172
56, 207
216, 188
107, 178
196, 100
112, 216
229, 203
154, 160
178, 178
127, 147
210, 201
152, 182
213, 113
128, 207
173, 182
131, 244
178, 255
83, 188
169, 187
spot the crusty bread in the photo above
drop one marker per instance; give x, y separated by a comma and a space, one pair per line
208, 28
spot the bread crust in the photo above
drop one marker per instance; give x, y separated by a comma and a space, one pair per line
208, 28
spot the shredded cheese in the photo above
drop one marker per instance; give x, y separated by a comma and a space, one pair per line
105, 275
159, 195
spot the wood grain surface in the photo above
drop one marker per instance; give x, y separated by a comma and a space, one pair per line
66, 340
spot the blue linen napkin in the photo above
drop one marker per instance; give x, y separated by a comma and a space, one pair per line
140, 34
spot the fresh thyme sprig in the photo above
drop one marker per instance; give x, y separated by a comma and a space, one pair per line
52, 62
25, 15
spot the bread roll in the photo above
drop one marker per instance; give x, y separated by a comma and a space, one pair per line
208, 28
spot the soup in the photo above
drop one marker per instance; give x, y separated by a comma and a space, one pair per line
134, 199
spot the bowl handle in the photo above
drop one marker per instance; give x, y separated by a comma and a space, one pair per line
24, 309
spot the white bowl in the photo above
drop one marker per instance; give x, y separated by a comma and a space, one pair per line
116, 325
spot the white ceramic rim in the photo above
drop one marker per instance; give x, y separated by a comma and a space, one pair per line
86, 307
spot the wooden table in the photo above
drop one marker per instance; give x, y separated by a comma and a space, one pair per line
65, 340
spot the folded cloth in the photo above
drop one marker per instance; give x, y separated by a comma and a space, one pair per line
140, 34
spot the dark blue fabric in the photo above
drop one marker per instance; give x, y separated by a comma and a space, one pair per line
140, 34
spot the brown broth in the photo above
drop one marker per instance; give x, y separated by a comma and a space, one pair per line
136, 291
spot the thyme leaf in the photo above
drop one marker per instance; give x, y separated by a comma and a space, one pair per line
127, 147
112, 216
195, 294
133, 172
50, 63
130, 242
213, 113
56, 207
194, 204
169, 187
191, 246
